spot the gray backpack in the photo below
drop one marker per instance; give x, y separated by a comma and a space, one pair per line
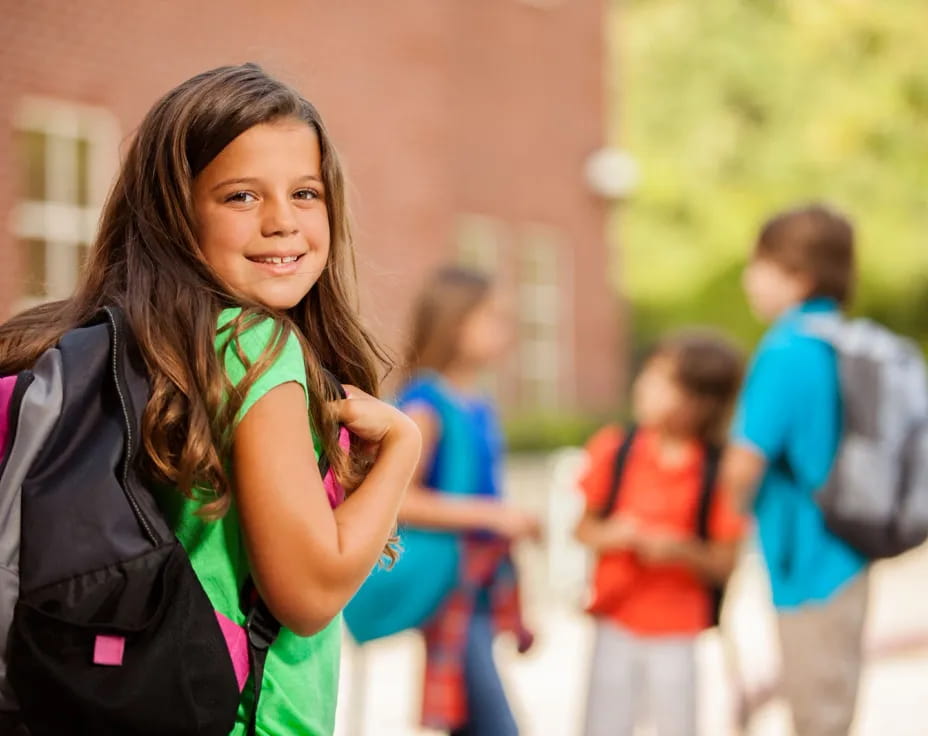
876, 497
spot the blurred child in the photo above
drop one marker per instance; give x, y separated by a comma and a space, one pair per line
786, 436
461, 328
666, 541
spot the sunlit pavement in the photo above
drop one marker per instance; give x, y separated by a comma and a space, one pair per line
381, 681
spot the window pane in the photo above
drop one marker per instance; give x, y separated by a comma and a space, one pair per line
32, 153
34, 274
83, 172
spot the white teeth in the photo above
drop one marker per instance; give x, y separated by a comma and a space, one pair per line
276, 260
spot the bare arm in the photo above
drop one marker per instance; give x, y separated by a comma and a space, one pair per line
712, 561
307, 560
424, 507
604, 535
743, 467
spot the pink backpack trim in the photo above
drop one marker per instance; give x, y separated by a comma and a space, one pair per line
236, 637
237, 644
7, 383
333, 488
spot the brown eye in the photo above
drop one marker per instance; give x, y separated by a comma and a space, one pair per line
243, 197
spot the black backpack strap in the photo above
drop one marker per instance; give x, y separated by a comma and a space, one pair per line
618, 471
710, 477
261, 627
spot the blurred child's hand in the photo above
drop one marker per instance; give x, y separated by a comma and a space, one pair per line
514, 523
619, 532
525, 640
656, 547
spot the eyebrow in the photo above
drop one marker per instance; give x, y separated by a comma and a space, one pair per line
254, 180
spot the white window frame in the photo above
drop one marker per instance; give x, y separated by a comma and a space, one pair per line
480, 244
59, 220
544, 357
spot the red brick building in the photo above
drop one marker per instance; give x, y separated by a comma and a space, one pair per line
464, 127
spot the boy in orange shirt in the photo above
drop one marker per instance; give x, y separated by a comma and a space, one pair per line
666, 540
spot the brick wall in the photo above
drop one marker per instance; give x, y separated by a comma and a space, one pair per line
439, 108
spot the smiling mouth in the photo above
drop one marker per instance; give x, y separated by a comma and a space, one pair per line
274, 260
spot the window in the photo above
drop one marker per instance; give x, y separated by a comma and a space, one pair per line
531, 258
67, 155
479, 243
541, 352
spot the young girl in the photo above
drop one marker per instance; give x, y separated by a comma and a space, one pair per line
459, 330
655, 572
226, 242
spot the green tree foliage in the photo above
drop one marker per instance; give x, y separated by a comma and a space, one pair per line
736, 108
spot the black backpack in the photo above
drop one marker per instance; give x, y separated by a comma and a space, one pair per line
710, 474
107, 629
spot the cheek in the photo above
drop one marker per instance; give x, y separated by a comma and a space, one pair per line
753, 282
647, 398
315, 228
222, 237
480, 340
484, 336
761, 291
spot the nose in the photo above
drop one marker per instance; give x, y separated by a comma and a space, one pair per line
278, 219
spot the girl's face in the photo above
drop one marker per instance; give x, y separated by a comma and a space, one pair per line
486, 332
772, 290
261, 213
658, 399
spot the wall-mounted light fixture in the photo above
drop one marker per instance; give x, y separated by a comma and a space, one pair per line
612, 173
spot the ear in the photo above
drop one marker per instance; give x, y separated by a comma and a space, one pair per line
804, 285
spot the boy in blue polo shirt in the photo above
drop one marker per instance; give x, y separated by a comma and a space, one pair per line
785, 438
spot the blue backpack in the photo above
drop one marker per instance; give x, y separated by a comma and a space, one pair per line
406, 595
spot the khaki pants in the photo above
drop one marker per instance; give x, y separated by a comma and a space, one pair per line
822, 653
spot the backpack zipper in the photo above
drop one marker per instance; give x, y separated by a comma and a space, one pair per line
140, 515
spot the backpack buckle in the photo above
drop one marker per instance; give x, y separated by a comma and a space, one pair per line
262, 628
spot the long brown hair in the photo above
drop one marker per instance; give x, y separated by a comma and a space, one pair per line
146, 260
449, 296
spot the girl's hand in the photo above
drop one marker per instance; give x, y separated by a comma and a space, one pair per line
513, 523
372, 420
619, 532
659, 547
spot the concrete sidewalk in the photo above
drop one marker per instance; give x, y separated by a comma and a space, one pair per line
547, 686
381, 681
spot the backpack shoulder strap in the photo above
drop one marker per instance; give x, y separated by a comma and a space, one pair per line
710, 477
618, 471
261, 630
